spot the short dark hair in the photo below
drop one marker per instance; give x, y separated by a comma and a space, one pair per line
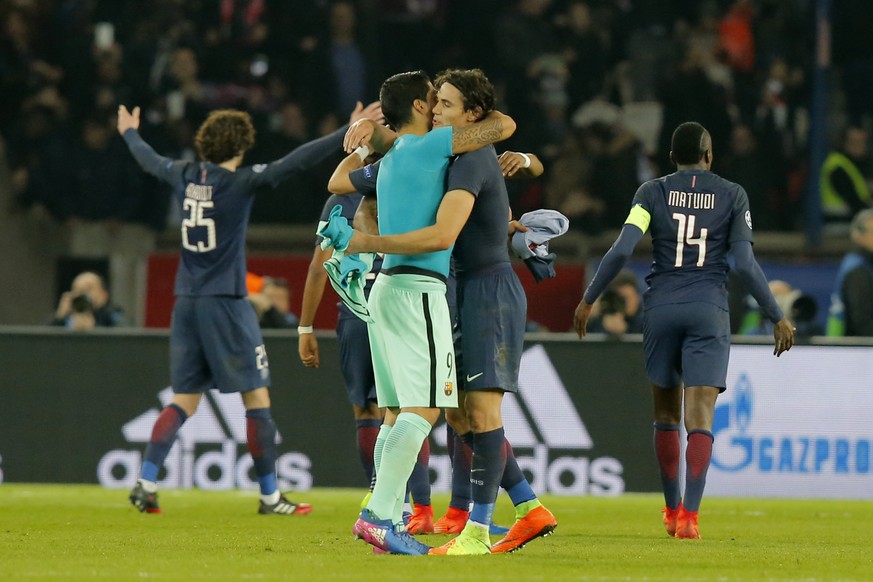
225, 134
474, 86
687, 144
397, 94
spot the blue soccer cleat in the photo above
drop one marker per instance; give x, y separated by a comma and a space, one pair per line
382, 534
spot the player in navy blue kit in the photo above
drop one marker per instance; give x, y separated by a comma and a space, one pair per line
354, 344
215, 341
696, 219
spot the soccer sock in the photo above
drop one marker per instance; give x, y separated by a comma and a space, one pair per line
489, 461
666, 440
514, 481
419, 481
397, 459
697, 456
367, 433
164, 433
450, 443
462, 494
378, 447
261, 440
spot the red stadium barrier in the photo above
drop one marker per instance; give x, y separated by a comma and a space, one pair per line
550, 303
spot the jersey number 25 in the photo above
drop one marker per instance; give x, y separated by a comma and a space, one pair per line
195, 218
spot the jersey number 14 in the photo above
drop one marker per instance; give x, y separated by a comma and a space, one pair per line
196, 219
685, 236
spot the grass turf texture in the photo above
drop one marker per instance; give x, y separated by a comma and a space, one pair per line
80, 532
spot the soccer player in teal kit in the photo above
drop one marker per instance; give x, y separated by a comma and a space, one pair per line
411, 337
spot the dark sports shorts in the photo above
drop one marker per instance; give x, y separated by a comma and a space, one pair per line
687, 343
215, 342
492, 312
356, 363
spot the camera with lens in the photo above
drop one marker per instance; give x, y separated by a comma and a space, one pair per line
81, 304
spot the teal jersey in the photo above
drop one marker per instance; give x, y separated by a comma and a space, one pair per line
411, 185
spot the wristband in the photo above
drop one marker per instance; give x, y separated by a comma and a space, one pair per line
526, 160
362, 152
304, 329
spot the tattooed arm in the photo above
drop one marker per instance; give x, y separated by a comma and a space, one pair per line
493, 128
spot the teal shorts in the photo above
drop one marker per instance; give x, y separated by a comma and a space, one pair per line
411, 342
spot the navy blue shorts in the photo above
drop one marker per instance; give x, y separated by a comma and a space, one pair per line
687, 343
215, 342
355, 360
492, 312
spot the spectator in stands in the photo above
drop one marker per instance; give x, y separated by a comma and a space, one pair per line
851, 312
619, 307
273, 304
844, 181
86, 305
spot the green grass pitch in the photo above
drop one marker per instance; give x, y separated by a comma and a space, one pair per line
79, 532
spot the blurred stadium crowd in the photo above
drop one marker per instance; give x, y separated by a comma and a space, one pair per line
595, 85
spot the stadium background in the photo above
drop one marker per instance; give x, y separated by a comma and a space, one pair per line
595, 86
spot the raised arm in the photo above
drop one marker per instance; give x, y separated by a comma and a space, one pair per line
493, 128
149, 160
367, 132
339, 182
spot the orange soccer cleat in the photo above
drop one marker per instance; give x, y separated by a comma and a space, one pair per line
421, 520
670, 517
686, 525
538, 522
452, 522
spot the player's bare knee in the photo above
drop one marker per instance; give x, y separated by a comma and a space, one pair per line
257, 398
457, 419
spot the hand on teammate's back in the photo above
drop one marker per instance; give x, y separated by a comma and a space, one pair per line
783, 334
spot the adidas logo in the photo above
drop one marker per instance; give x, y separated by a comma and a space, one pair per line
378, 534
548, 436
194, 461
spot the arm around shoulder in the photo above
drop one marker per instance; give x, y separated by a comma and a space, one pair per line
493, 128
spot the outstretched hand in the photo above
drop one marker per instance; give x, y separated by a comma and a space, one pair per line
783, 334
127, 119
372, 111
581, 317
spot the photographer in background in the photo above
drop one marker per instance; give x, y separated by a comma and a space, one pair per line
86, 305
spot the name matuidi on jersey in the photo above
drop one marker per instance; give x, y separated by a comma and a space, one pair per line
198, 192
692, 200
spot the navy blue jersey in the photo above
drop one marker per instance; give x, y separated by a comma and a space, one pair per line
215, 206
694, 216
482, 241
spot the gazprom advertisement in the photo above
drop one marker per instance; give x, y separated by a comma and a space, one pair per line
796, 426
